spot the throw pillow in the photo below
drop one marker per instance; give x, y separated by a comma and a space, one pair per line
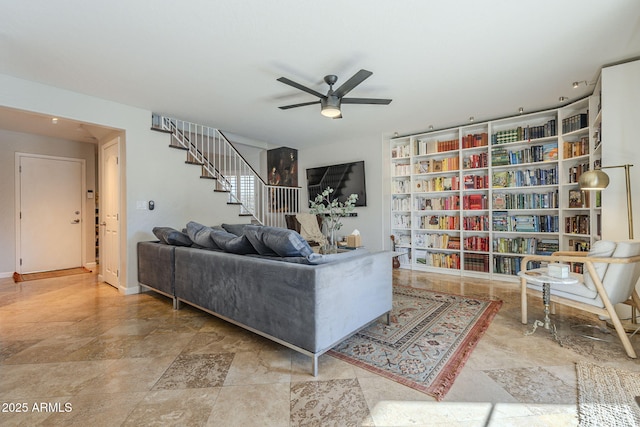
171, 236
281, 241
229, 242
201, 235
237, 229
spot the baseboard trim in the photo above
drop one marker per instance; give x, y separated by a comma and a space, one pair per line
5, 275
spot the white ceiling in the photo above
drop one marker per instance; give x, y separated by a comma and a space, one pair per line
216, 62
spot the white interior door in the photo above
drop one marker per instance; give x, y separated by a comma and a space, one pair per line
110, 213
50, 213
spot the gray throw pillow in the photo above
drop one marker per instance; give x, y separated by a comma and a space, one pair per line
201, 235
281, 241
237, 229
171, 236
229, 242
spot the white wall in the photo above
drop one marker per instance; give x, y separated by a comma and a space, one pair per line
370, 220
150, 170
13, 142
620, 142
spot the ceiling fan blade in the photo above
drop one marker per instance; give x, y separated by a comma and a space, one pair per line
366, 101
286, 107
354, 81
299, 86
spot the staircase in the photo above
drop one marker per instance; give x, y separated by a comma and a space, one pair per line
220, 162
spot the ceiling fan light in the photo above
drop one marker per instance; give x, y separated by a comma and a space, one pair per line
330, 107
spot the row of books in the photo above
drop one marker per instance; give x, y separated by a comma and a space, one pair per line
475, 140
402, 221
401, 204
440, 260
432, 147
574, 172
476, 243
476, 223
577, 224
525, 178
400, 169
437, 165
575, 148
439, 183
547, 200
475, 161
433, 241
475, 202
578, 199
476, 262
400, 151
502, 221
401, 185
437, 203
532, 154
439, 222
575, 122
474, 182
525, 245
580, 245
402, 239
525, 133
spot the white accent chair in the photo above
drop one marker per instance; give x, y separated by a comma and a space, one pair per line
611, 270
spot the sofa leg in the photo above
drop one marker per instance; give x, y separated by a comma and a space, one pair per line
314, 367
388, 316
176, 304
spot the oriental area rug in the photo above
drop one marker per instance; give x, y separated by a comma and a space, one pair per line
430, 337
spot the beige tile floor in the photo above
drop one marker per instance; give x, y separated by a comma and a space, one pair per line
74, 351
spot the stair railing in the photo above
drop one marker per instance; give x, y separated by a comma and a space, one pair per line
220, 161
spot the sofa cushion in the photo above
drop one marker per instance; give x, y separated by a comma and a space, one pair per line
171, 236
278, 241
600, 249
201, 235
229, 242
237, 229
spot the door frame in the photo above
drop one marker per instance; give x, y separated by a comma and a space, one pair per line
18, 203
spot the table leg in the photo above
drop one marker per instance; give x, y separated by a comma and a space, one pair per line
546, 323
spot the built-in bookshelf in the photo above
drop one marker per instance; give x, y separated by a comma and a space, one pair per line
474, 200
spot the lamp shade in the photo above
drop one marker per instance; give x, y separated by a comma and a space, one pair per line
593, 180
330, 106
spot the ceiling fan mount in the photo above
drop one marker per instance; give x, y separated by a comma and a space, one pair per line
330, 103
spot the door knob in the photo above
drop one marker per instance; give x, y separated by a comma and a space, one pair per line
75, 221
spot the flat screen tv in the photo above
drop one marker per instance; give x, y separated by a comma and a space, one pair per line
345, 179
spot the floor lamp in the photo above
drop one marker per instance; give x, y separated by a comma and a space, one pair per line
598, 180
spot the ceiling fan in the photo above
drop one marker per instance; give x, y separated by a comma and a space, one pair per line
331, 102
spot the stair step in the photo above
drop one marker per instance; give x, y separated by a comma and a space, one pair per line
207, 177
215, 190
234, 203
245, 214
193, 162
178, 147
160, 130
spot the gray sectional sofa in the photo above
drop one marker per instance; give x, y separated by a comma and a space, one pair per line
307, 303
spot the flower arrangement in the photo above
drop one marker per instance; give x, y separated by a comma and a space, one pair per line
332, 209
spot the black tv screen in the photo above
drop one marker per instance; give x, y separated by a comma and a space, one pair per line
345, 179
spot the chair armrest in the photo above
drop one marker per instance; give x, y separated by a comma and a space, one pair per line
571, 253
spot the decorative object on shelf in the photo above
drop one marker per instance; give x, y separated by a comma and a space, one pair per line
598, 180
333, 211
396, 261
